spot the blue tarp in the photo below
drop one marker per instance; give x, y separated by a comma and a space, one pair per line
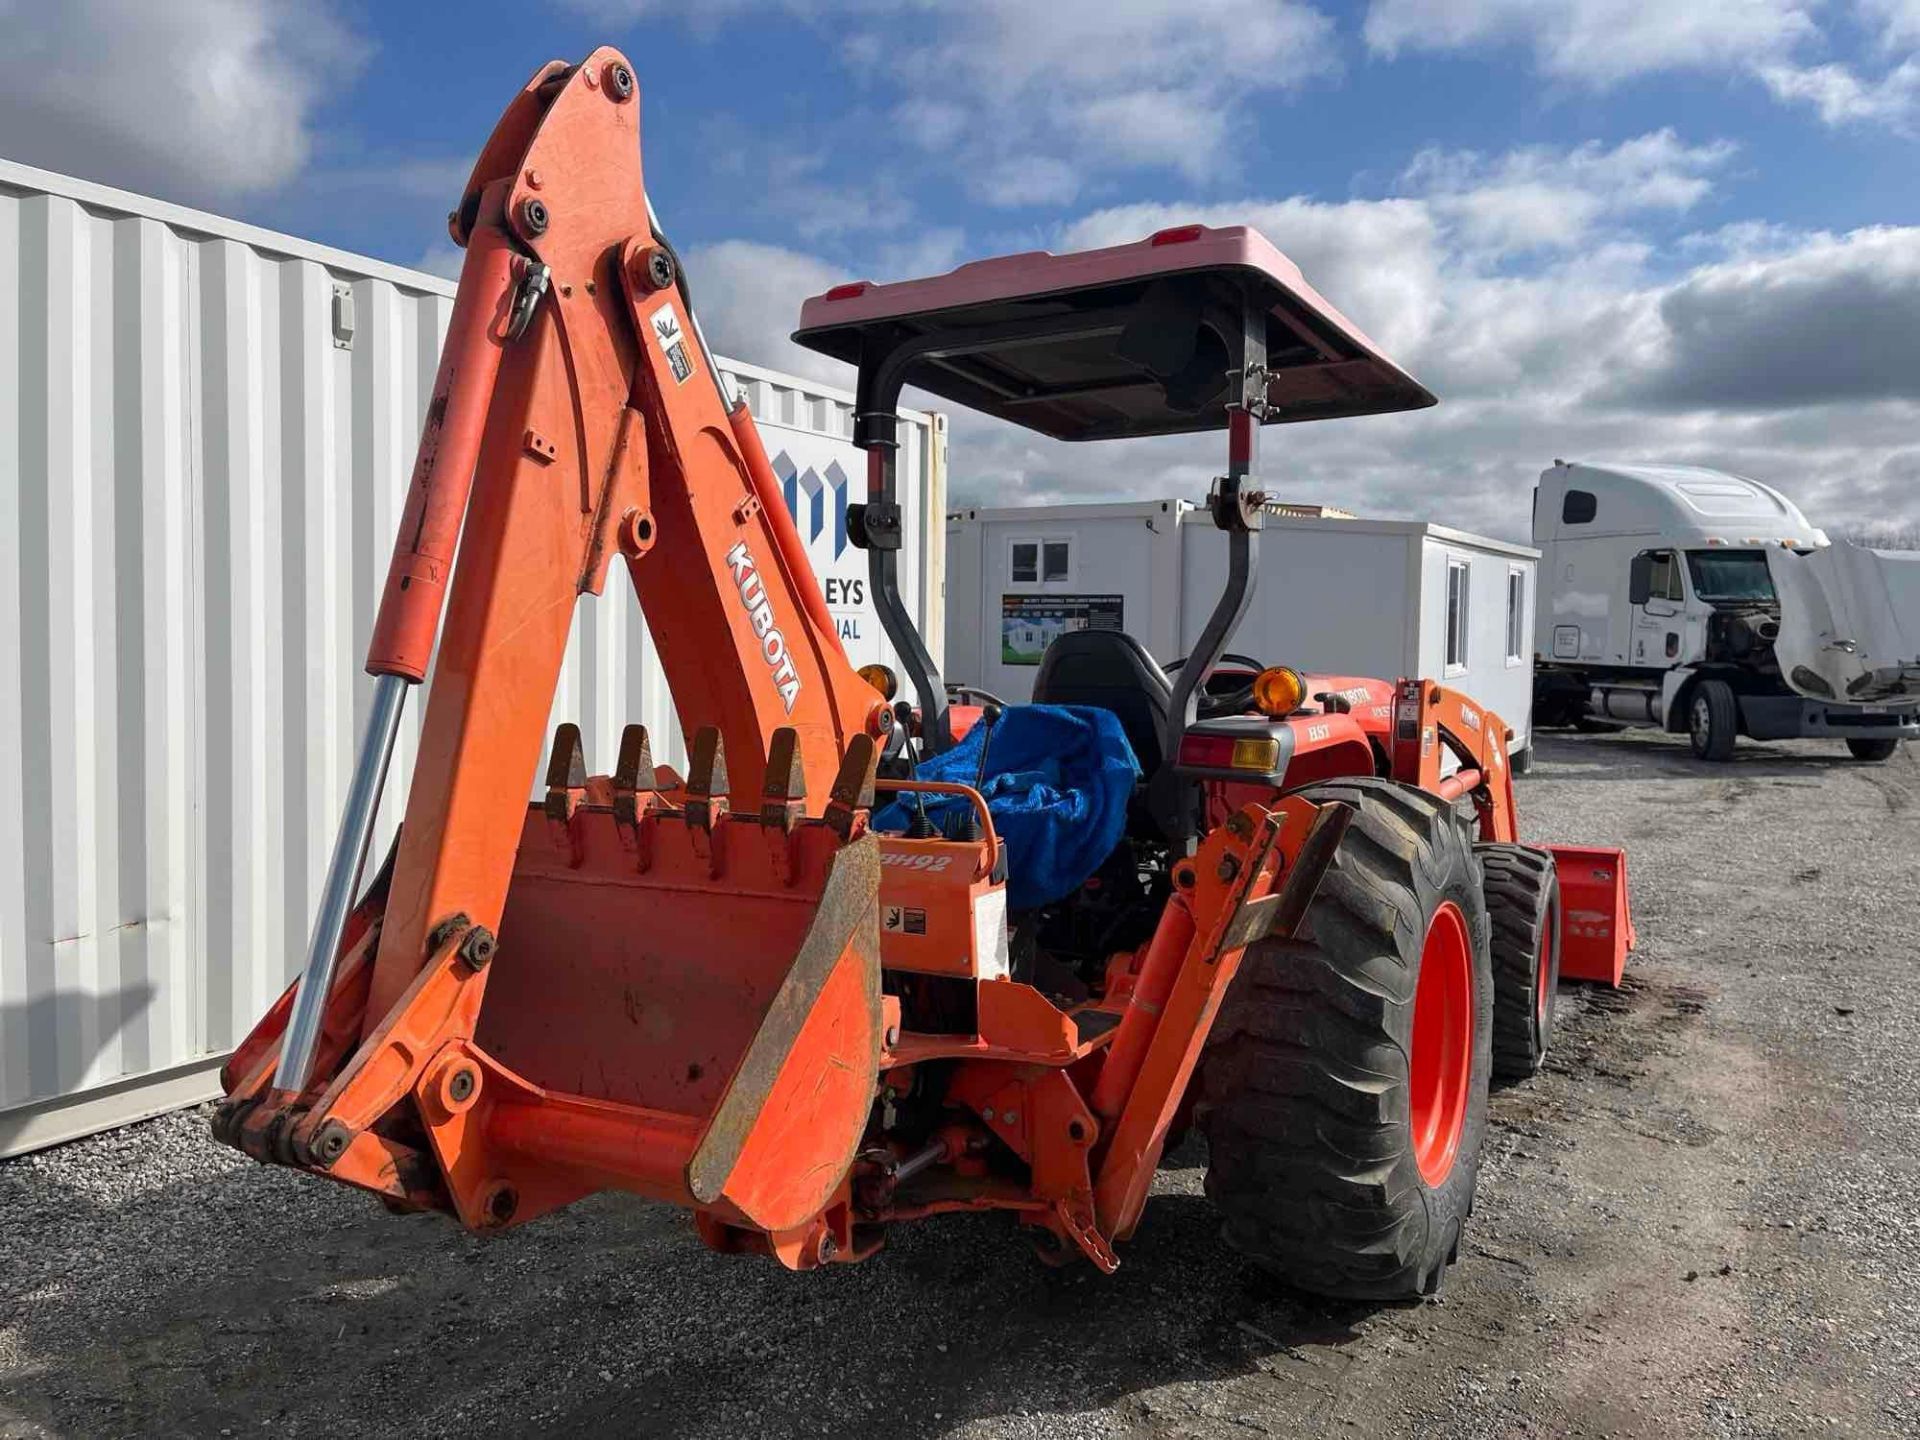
1058, 781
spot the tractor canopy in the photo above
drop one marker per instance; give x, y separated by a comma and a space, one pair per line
1130, 340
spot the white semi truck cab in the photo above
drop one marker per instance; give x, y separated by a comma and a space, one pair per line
1698, 601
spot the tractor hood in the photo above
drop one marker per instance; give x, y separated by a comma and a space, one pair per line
1849, 623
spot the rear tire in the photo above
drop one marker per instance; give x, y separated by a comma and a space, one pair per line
1523, 909
1343, 1091
1872, 749
1713, 720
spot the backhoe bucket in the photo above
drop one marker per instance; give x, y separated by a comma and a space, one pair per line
714, 968
1596, 923
682, 1002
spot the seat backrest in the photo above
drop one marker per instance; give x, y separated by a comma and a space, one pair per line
1110, 669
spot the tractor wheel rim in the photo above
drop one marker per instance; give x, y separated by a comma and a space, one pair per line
1442, 1060
1543, 963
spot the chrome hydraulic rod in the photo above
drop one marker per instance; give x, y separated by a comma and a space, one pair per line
342, 883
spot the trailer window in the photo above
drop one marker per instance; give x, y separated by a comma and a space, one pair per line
1032, 560
1516, 616
1727, 575
1023, 562
1458, 574
1578, 508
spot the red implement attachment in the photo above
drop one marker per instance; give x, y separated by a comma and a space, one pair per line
1431, 723
1596, 928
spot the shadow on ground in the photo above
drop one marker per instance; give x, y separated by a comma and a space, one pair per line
237, 1299
1640, 755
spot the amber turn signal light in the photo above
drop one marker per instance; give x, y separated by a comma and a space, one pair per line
1278, 691
881, 678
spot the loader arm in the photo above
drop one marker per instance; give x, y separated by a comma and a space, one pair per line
1430, 722
1595, 917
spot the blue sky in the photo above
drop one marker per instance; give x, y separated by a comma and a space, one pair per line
731, 104
1683, 230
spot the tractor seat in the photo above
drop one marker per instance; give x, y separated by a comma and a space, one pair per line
1113, 671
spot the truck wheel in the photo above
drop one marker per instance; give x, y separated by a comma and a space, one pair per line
1713, 720
1872, 749
1523, 907
1343, 1091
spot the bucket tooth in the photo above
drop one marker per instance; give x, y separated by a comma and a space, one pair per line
633, 777
783, 801
853, 785
566, 788
567, 765
634, 771
706, 809
783, 796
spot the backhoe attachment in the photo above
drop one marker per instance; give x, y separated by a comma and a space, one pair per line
662, 984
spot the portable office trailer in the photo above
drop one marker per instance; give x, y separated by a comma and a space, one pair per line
1387, 598
205, 435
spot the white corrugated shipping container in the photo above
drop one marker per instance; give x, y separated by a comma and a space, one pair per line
207, 434
1336, 594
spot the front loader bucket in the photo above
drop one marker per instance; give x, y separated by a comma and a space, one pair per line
1596, 923
681, 1002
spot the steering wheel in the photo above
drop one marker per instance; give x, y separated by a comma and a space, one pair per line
972, 695
1234, 701
1255, 665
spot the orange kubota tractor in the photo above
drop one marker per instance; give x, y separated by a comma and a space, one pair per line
1314, 939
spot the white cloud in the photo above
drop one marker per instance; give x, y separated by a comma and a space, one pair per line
799, 182
1789, 356
194, 99
1035, 105
1095, 47
439, 180
1835, 320
1027, 180
1898, 21
442, 258
930, 121
1599, 42
1164, 129
1035, 101
1094, 84
1377, 260
1540, 198
1842, 97
1783, 44
748, 299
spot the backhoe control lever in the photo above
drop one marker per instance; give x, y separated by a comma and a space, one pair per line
965, 824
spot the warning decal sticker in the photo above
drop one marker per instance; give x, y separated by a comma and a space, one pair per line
666, 329
903, 920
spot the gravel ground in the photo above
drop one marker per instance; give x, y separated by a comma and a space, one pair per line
1698, 1221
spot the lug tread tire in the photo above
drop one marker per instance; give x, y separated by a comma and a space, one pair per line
1523, 905
1872, 749
1304, 1083
1723, 721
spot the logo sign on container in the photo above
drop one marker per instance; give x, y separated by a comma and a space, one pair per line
816, 476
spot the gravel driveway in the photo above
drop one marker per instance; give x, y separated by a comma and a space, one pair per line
1699, 1220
